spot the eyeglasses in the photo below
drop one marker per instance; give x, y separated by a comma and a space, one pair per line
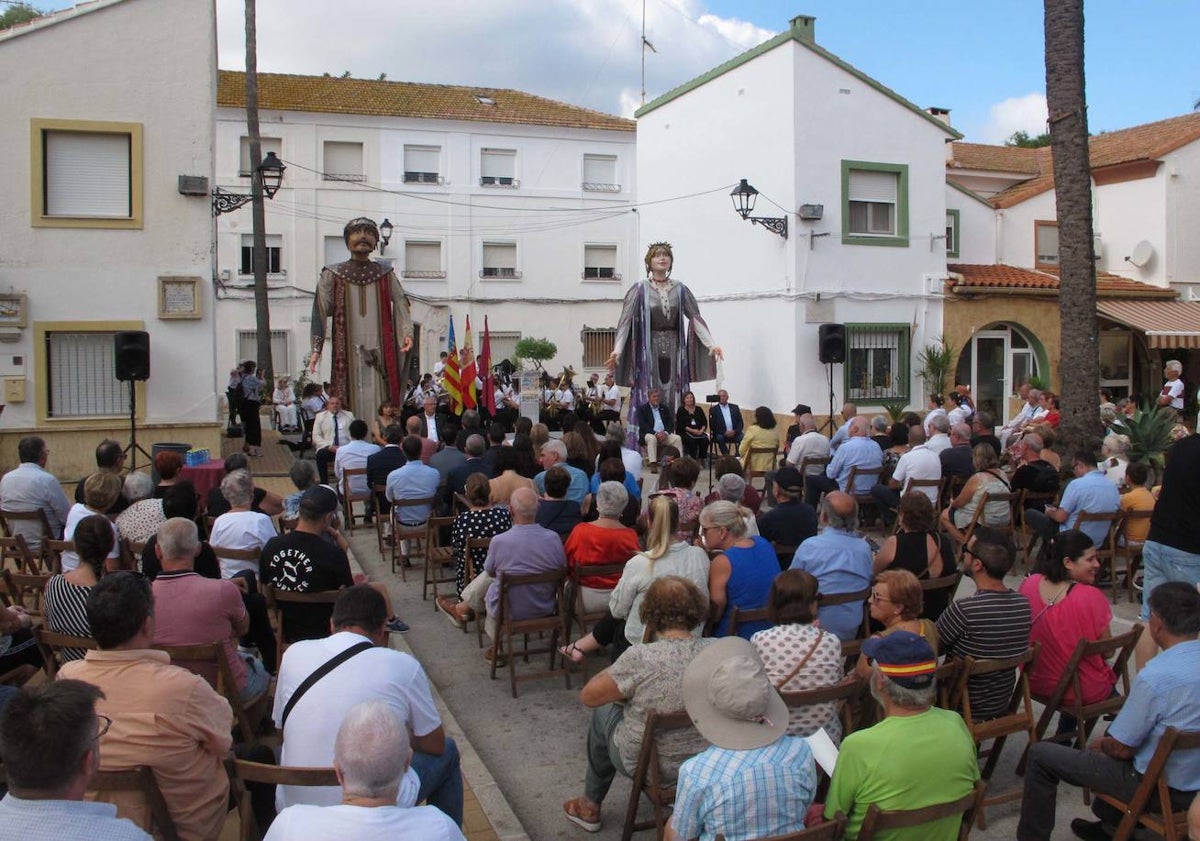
105, 723
875, 597
709, 528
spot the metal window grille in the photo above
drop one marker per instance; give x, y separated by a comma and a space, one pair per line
597, 345
247, 348
600, 262
600, 174
500, 260
81, 376
422, 164
877, 363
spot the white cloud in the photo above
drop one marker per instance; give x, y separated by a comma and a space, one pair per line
1019, 113
585, 52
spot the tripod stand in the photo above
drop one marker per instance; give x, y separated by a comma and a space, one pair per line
829, 423
133, 447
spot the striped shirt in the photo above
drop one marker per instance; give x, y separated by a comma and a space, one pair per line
992, 625
745, 794
65, 610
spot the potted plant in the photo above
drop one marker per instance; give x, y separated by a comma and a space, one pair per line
535, 351
1149, 432
937, 361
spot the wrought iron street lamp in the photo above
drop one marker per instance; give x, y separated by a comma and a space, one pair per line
744, 196
269, 174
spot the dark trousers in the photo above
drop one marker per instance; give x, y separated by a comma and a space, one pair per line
252, 423
1041, 526
814, 486
441, 780
723, 440
262, 795
1050, 764
325, 457
887, 500
603, 418
695, 447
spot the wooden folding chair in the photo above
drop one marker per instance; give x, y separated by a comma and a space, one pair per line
53, 549
1017, 718
751, 475
1036, 501
945, 584
1130, 550
438, 558
242, 771
1140, 810
402, 532
647, 775
23, 523
805, 464
977, 519
474, 546
578, 615
829, 831
738, 616
851, 651
877, 820
276, 598
191, 657
140, 779
381, 510
832, 599
51, 643
15, 551
507, 628
784, 552
916, 485
1106, 550
843, 694
25, 590
1117, 650
349, 498
863, 497
224, 553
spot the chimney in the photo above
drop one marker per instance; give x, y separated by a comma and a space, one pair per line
804, 28
942, 114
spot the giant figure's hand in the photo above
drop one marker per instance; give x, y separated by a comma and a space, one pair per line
718, 353
407, 344
611, 362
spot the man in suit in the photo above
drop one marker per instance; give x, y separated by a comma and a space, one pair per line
380, 464
456, 480
331, 429
431, 427
656, 426
725, 421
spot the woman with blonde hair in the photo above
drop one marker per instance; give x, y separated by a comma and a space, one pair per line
1115, 452
742, 569
539, 435
664, 555
100, 491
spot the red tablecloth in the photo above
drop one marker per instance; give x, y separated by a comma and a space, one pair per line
204, 476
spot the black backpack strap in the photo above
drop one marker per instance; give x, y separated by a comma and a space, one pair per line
326, 667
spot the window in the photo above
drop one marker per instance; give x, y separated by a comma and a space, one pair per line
247, 348
600, 262
498, 168
274, 254
1045, 245
343, 161
335, 251
423, 259
267, 144
874, 203
597, 345
422, 164
80, 378
504, 344
500, 260
600, 174
86, 174
952, 233
877, 362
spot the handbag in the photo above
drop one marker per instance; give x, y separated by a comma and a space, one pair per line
803, 660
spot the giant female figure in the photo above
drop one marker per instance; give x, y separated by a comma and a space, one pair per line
372, 329
653, 348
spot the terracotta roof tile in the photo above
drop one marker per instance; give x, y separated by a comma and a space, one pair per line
998, 276
1146, 142
995, 158
332, 95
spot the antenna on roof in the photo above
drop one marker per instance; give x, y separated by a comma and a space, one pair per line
645, 44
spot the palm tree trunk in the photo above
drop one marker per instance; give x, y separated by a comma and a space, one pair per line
1065, 99
262, 307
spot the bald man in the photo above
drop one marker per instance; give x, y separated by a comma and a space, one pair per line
858, 451
840, 560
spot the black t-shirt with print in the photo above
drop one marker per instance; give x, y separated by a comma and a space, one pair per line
305, 563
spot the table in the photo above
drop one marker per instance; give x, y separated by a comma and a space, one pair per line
204, 476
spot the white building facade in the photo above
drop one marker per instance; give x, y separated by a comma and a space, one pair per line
503, 205
804, 128
99, 237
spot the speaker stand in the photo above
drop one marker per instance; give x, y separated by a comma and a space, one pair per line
829, 423
133, 447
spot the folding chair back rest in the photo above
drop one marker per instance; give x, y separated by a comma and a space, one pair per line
578, 572
213, 654
739, 616
829, 831
25, 590
242, 771
1160, 817
140, 779
508, 627
859, 596
842, 693
877, 819
50, 643
16, 549
647, 775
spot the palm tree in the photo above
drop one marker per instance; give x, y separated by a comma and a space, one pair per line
262, 306
1067, 105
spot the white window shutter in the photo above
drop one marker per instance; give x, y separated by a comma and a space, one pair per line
87, 174
869, 186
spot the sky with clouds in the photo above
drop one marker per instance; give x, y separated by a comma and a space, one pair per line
980, 58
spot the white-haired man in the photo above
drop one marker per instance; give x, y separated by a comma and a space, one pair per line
1171, 395
656, 427
554, 452
371, 754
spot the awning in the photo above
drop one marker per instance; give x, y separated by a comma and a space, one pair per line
1166, 324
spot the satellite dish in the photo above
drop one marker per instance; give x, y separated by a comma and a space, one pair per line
1143, 252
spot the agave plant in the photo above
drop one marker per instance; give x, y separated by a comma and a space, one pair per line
936, 361
895, 409
1149, 432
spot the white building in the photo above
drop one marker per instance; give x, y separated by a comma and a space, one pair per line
97, 237
503, 204
804, 128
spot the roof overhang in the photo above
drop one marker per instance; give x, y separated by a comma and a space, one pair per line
1165, 324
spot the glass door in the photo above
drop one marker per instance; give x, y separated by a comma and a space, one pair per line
990, 354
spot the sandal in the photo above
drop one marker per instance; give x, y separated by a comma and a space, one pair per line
572, 651
580, 812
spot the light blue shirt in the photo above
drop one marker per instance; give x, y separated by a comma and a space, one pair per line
413, 481
861, 452
656, 413
726, 416
57, 820
756, 793
1164, 695
576, 491
841, 561
27, 487
1094, 493
841, 436
631, 485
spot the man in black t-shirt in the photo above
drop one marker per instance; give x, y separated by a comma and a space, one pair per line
792, 521
110, 458
1034, 473
304, 561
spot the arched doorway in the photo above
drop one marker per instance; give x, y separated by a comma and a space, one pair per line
995, 362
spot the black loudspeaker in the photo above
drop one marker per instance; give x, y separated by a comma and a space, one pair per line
131, 355
831, 343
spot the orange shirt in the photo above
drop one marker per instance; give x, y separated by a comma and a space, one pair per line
1137, 499
170, 719
592, 544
